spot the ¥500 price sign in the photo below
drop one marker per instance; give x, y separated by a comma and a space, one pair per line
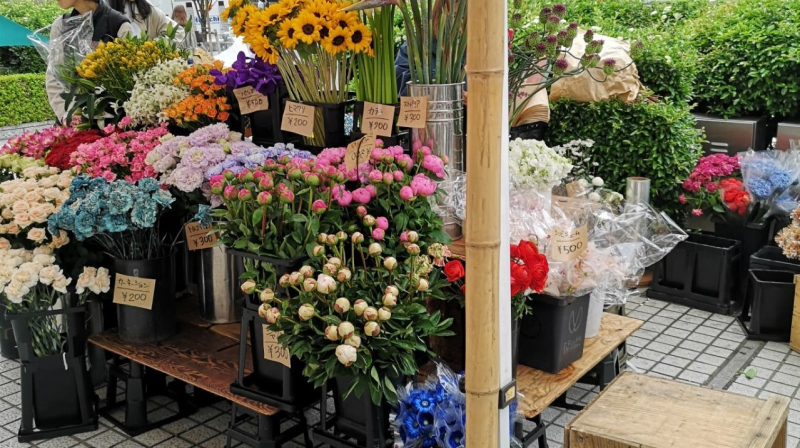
298, 119
134, 291
568, 244
199, 237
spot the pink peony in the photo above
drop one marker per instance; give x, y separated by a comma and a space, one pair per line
697, 212
378, 234
361, 195
371, 190
382, 223
319, 207
407, 193
345, 198
682, 199
398, 175
375, 176
361, 211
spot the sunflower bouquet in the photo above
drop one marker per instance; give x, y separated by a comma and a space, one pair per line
311, 42
208, 102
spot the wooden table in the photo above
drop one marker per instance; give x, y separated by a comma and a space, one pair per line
540, 389
644, 411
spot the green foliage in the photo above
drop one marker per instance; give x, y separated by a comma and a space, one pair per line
668, 67
23, 99
32, 14
20, 60
655, 140
750, 58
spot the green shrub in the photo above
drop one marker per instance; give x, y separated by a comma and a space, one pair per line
655, 140
20, 60
23, 99
668, 65
749, 58
32, 14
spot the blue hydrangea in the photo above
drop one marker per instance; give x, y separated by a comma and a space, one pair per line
759, 188
780, 179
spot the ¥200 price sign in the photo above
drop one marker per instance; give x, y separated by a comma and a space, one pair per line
298, 119
199, 237
134, 291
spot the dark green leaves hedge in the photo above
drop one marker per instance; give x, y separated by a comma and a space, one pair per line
23, 100
655, 140
20, 60
749, 58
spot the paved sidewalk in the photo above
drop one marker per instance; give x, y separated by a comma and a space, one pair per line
675, 342
11, 131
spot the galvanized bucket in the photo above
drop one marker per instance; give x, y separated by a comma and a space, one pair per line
217, 287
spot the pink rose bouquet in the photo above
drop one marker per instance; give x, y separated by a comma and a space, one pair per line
37, 144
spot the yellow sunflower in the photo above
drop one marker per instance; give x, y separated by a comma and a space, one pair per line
240, 19
290, 5
344, 19
264, 50
306, 27
336, 42
360, 38
257, 23
276, 12
322, 9
287, 34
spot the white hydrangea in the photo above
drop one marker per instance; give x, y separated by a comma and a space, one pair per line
531, 164
155, 91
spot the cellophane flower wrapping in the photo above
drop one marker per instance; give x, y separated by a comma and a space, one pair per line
69, 48
766, 175
433, 413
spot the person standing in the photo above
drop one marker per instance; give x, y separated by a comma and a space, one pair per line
181, 18
108, 25
146, 17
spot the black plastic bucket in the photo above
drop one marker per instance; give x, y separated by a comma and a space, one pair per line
551, 338
767, 313
771, 258
280, 266
753, 237
358, 417
142, 326
8, 343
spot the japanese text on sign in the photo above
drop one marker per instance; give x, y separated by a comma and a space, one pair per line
273, 350
298, 118
250, 100
413, 111
568, 244
377, 119
134, 291
199, 237
359, 151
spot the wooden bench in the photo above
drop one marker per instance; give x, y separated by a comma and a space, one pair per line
644, 411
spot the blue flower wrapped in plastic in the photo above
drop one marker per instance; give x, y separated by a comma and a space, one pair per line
767, 175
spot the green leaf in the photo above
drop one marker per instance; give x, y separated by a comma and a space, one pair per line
750, 372
389, 390
256, 219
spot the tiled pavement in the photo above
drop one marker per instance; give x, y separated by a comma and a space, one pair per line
675, 342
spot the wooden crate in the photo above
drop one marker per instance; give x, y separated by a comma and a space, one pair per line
639, 411
794, 337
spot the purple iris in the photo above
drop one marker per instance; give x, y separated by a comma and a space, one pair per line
263, 77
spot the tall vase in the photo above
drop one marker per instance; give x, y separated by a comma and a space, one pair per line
217, 286
443, 133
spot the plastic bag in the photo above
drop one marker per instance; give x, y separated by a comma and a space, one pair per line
65, 51
452, 207
766, 175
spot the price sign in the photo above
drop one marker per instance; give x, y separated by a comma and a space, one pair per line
273, 350
250, 100
359, 151
298, 118
568, 244
199, 237
574, 189
134, 291
413, 111
377, 119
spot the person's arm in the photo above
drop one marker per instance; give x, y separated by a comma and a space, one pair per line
52, 86
402, 72
158, 23
125, 30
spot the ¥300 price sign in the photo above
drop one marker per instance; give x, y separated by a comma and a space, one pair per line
413, 111
134, 291
199, 237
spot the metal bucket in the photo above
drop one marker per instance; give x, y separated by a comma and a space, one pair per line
216, 288
444, 132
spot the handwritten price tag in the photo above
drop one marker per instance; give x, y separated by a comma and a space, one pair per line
250, 100
359, 151
134, 291
568, 244
377, 119
413, 111
273, 350
199, 237
298, 118
574, 189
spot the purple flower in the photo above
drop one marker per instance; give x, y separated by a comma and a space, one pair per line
254, 72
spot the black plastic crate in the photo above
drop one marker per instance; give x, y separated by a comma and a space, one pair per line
753, 237
771, 258
700, 272
551, 338
767, 311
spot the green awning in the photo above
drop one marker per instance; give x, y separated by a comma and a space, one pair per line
13, 34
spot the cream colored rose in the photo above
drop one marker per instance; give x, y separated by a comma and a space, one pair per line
32, 197
13, 229
21, 206
61, 240
39, 214
19, 192
64, 182
23, 220
44, 260
36, 235
5, 244
7, 200
48, 182
51, 194
42, 250
7, 214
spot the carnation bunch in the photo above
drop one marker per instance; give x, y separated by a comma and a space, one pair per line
207, 102
734, 197
60, 154
121, 154
701, 188
354, 311
120, 216
154, 91
36, 144
27, 203
531, 164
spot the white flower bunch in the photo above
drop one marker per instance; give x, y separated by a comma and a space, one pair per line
26, 204
531, 164
576, 151
155, 91
94, 280
22, 270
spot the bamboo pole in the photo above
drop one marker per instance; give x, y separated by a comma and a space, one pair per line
486, 62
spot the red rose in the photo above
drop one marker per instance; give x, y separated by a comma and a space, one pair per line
520, 278
59, 155
454, 270
539, 270
514, 251
528, 253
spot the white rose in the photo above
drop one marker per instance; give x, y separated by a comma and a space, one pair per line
20, 206
39, 215
47, 182
60, 284
32, 197
51, 194
19, 192
7, 214
36, 235
5, 244
23, 220
7, 200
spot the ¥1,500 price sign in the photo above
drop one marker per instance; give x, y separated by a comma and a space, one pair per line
298, 119
273, 350
413, 112
250, 100
199, 237
134, 291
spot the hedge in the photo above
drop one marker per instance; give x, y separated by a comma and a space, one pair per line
23, 99
655, 140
